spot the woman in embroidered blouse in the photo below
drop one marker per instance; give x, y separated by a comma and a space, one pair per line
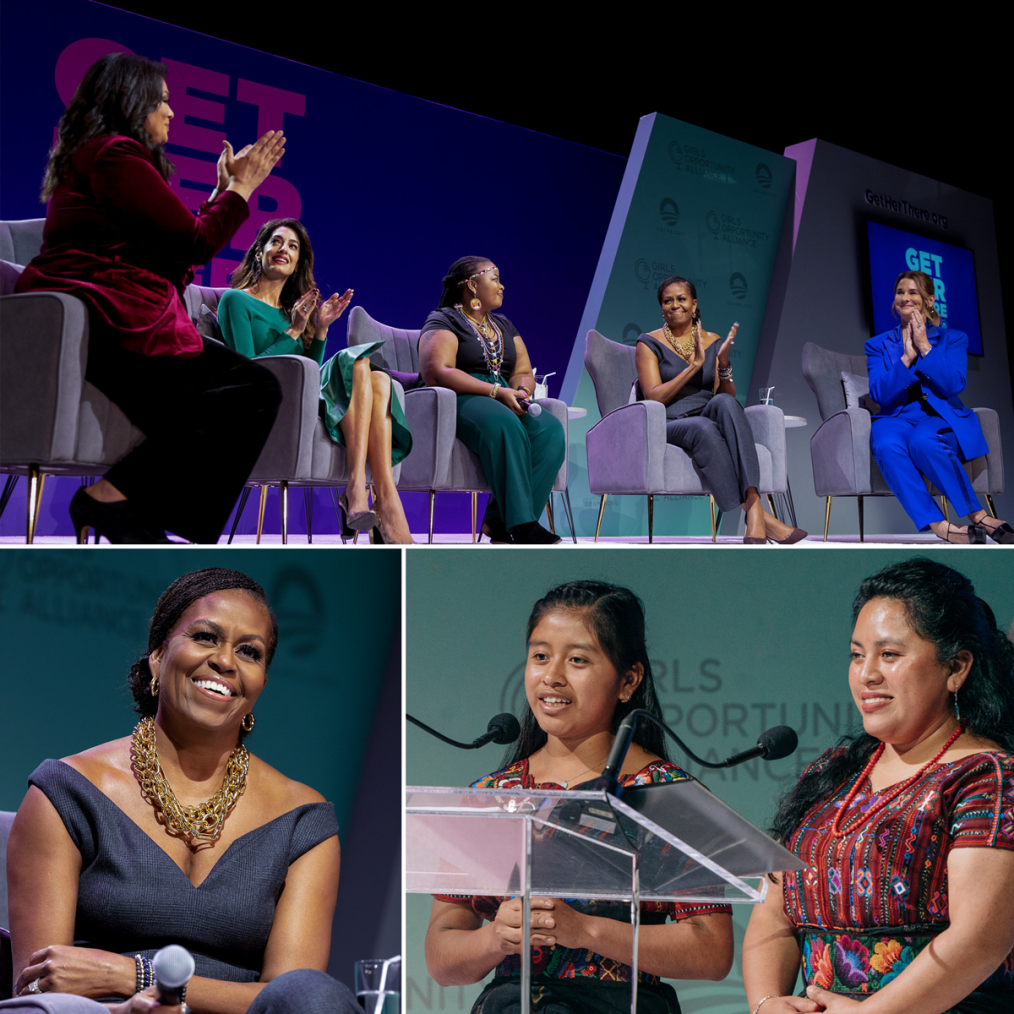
688, 370
587, 668
479, 355
908, 828
106, 866
272, 310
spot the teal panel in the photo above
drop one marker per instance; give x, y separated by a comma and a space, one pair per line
696, 204
739, 641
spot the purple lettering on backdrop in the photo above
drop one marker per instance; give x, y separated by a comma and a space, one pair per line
272, 104
76, 59
180, 78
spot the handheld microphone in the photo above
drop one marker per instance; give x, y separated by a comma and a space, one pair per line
533, 409
503, 728
173, 966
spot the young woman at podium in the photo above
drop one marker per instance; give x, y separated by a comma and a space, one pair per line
587, 668
907, 829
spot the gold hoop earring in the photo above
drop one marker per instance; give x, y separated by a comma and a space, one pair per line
153, 686
247, 727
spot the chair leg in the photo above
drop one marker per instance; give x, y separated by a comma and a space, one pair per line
337, 512
651, 517
240, 507
475, 511
549, 514
989, 501
827, 517
433, 496
570, 515
33, 500
718, 521
260, 512
283, 491
602, 507
308, 509
859, 504
12, 481
771, 505
943, 504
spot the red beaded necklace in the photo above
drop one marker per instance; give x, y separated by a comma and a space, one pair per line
839, 832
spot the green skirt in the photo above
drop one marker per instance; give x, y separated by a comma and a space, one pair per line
336, 392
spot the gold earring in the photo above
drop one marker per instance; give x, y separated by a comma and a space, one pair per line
248, 727
153, 686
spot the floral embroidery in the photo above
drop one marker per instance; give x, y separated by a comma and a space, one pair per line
886, 953
850, 960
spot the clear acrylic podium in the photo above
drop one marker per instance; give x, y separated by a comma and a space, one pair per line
671, 841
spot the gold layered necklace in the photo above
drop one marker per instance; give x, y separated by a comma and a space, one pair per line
683, 349
200, 824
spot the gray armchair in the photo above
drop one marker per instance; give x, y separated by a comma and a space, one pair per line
843, 463
627, 449
439, 461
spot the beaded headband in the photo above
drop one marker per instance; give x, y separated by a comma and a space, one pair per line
492, 267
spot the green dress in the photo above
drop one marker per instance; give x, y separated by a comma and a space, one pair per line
254, 329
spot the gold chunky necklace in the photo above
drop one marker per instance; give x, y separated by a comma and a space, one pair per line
196, 824
682, 350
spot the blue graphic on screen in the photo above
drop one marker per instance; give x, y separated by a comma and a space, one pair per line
952, 269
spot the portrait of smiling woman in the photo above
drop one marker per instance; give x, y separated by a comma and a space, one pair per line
179, 833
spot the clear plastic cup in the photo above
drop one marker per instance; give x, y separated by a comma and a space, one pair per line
378, 985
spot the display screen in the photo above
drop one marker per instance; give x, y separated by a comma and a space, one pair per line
952, 269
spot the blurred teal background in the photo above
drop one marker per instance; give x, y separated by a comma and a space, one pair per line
739, 640
73, 621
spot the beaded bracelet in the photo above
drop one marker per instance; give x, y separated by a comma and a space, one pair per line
770, 996
145, 972
496, 387
725, 374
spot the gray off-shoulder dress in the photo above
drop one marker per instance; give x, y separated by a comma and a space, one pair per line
133, 899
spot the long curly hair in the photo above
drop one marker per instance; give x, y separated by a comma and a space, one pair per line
174, 602
298, 284
941, 607
616, 616
457, 275
116, 96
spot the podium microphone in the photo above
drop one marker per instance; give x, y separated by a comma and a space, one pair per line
503, 728
173, 966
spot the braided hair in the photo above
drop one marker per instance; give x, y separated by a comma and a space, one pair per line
941, 606
174, 602
457, 275
616, 616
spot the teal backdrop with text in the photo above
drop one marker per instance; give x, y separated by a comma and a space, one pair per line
703, 206
739, 642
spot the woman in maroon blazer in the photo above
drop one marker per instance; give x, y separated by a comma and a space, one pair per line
119, 239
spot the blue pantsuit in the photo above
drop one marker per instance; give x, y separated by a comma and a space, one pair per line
923, 429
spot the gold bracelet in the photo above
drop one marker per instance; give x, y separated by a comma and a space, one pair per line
521, 387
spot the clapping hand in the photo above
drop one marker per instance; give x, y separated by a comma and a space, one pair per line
248, 170
331, 310
919, 338
725, 349
301, 314
698, 333
223, 171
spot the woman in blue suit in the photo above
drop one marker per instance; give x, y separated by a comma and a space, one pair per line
923, 429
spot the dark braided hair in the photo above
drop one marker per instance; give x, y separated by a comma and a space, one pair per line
300, 282
941, 606
175, 601
616, 616
457, 275
679, 280
116, 96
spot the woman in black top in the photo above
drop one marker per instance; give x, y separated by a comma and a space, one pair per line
687, 369
480, 356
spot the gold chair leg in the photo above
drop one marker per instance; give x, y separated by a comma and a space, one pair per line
260, 512
989, 501
33, 500
602, 507
651, 516
771, 505
859, 504
827, 517
943, 504
549, 514
283, 491
475, 511
714, 527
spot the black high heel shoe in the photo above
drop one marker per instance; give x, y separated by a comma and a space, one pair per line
116, 521
360, 521
1000, 532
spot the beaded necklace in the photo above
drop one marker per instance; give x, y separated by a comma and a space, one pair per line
839, 832
492, 344
683, 350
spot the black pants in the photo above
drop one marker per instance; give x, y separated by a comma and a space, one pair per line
205, 419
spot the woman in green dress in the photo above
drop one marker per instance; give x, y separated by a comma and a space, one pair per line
275, 309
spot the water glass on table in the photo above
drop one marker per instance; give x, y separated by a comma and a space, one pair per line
378, 984
767, 395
